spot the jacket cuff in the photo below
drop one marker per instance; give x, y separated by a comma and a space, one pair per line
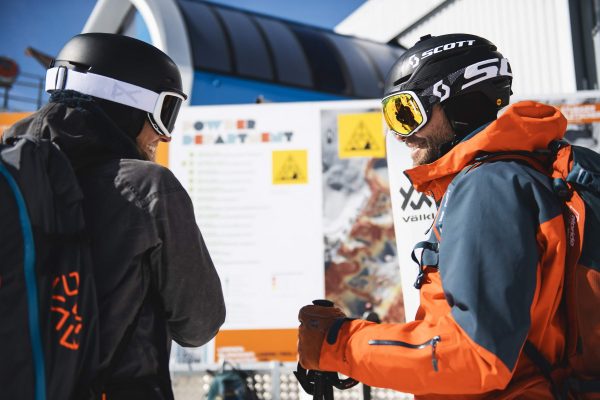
333, 355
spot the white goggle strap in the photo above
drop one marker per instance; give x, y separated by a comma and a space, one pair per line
62, 78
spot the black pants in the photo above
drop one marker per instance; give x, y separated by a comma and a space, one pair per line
138, 389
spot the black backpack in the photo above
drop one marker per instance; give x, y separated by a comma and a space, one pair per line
231, 383
48, 310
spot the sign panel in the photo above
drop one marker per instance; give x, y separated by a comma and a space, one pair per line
253, 173
294, 203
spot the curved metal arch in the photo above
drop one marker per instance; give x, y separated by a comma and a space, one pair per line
165, 24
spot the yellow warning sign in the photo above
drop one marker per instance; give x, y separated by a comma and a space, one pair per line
360, 135
290, 167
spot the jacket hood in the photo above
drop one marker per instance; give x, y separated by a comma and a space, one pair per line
524, 126
81, 129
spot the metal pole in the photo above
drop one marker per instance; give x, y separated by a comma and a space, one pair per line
276, 380
366, 389
40, 93
5, 105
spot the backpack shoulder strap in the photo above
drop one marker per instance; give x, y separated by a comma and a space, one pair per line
30, 284
538, 160
574, 212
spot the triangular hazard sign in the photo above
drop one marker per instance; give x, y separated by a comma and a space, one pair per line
361, 139
290, 171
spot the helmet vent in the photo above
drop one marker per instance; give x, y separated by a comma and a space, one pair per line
79, 67
402, 80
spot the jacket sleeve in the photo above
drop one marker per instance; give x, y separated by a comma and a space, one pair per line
471, 333
183, 271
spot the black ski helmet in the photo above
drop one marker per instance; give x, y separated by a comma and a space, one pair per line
127, 60
464, 73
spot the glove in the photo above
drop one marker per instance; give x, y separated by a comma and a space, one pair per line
315, 322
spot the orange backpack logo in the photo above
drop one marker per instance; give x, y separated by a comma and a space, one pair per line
65, 289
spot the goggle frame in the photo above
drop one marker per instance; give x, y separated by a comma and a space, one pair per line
421, 109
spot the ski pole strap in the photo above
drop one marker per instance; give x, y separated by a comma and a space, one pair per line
334, 330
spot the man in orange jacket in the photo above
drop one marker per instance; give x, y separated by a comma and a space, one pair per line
492, 270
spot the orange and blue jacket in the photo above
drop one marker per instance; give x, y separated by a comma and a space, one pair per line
492, 276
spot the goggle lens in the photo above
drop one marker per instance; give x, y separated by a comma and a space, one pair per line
165, 112
403, 113
169, 111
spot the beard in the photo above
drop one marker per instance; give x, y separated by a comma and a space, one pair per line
426, 144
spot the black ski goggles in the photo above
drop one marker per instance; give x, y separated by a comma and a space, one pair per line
404, 113
162, 108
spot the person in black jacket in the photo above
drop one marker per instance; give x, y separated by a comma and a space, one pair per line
114, 98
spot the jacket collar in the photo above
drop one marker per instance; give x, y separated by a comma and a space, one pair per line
82, 130
524, 126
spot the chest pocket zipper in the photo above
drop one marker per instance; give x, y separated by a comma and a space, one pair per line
431, 342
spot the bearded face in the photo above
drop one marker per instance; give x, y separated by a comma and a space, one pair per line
426, 143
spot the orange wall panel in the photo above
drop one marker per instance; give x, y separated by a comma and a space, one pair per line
7, 119
260, 344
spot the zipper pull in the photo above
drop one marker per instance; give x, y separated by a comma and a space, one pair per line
434, 360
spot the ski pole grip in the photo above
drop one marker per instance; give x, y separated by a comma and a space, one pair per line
323, 303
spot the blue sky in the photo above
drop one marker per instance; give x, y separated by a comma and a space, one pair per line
47, 25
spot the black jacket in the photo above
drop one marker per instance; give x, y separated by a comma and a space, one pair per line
152, 270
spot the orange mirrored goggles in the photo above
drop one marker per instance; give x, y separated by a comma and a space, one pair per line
404, 113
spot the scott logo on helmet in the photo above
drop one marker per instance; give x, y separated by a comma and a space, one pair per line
414, 59
473, 74
445, 88
485, 69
